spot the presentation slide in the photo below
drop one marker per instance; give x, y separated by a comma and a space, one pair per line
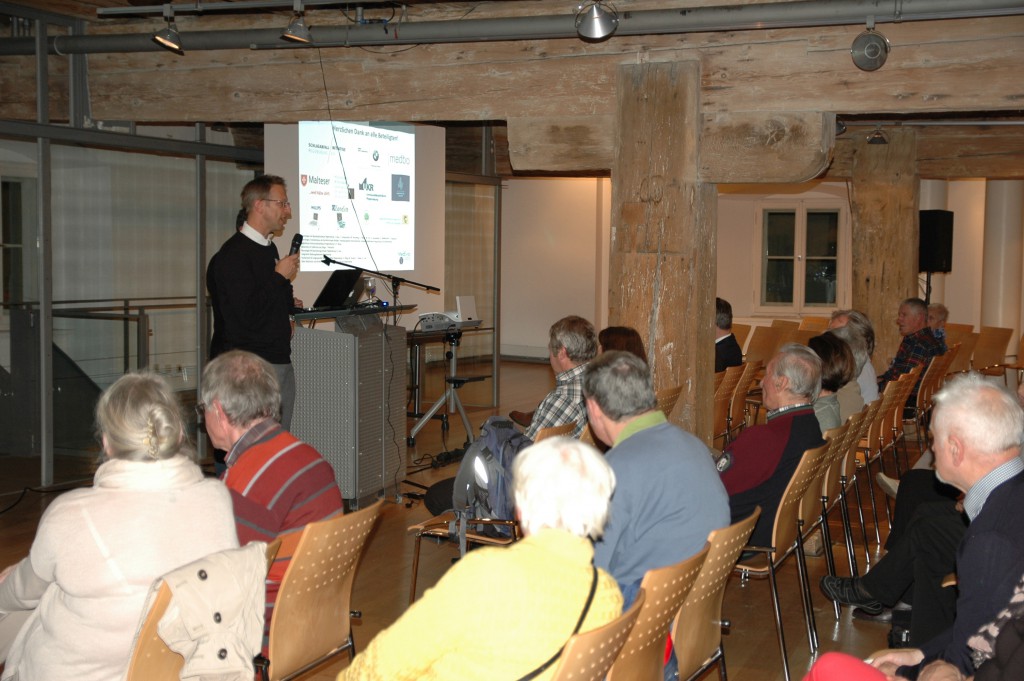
357, 196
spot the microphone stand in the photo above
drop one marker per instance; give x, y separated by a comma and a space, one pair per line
396, 280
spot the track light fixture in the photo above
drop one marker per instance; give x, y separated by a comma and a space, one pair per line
870, 49
169, 37
297, 31
878, 137
596, 20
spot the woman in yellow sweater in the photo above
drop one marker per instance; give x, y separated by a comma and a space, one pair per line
500, 613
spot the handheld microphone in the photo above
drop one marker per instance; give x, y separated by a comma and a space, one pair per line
296, 242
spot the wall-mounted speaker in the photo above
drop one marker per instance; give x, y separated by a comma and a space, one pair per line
935, 247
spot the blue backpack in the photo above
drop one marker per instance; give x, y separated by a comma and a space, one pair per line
482, 486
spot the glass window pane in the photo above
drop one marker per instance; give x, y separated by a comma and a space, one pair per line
822, 234
820, 282
779, 232
777, 286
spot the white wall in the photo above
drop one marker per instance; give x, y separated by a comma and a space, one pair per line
966, 198
556, 236
554, 258
281, 153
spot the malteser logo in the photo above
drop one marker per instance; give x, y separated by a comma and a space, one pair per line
401, 160
303, 179
316, 179
365, 185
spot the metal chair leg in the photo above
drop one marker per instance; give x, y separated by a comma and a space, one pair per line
805, 592
844, 513
778, 616
826, 540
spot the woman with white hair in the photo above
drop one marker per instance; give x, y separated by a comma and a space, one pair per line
78, 596
502, 613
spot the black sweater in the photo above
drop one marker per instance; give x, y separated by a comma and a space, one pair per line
251, 302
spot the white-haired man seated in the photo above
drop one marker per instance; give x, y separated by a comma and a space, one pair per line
501, 613
978, 428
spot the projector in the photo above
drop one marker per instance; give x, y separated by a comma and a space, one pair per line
442, 321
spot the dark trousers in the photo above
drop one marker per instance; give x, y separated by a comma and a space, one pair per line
917, 486
915, 565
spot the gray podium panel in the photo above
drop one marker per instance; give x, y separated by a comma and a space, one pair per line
350, 403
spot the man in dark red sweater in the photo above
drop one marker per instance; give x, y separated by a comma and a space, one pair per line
278, 483
762, 459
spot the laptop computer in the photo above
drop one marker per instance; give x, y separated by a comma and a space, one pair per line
341, 292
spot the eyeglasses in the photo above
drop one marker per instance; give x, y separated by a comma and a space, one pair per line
286, 204
200, 413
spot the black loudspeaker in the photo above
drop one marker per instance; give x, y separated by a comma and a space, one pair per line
935, 249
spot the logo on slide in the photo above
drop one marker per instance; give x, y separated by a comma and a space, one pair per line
376, 155
303, 179
365, 185
399, 187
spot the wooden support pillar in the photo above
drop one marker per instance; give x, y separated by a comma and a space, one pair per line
663, 250
884, 196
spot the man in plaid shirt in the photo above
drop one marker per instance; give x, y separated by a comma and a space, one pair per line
572, 343
918, 347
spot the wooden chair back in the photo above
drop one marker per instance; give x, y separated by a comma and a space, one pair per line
785, 324
962, 361
555, 431
991, 347
312, 615
798, 336
723, 399
955, 333
151, 659
642, 658
764, 341
806, 474
697, 630
667, 398
589, 655
855, 435
810, 503
738, 404
742, 333
818, 324
839, 441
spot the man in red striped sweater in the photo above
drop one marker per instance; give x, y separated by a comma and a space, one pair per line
278, 483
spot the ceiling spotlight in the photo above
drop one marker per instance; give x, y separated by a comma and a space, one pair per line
870, 49
169, 37
297, 30
878, 137
596, 20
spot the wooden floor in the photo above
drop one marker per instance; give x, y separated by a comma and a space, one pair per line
382, 584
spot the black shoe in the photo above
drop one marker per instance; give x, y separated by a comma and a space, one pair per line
847, 591
861, 614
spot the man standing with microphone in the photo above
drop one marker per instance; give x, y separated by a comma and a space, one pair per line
251, 286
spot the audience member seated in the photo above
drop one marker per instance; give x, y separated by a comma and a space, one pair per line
501, 613
759, 463
727, 349
937, 316
278, 483
572, 343
621, 338
851, 401
75, 602
859, 326
978, 429
997, 654
610, 338
917, 348
668, 495
837, 369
